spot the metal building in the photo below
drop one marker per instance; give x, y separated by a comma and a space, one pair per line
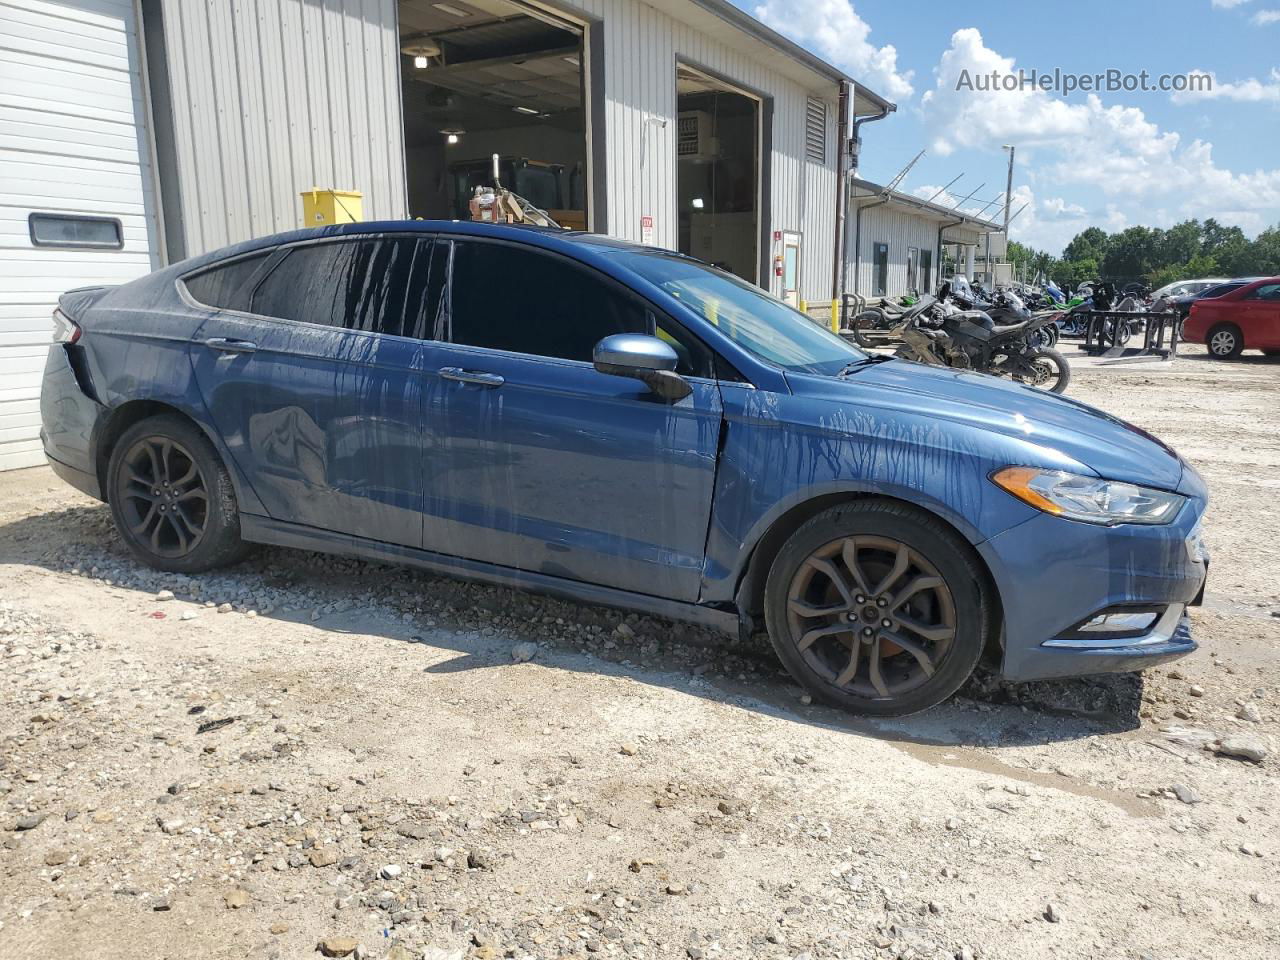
137, 132
897, 242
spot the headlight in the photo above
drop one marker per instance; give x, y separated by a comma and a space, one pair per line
1088, 499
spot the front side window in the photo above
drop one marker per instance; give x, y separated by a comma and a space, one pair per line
375, 285
880, 270
511, 298
759, 323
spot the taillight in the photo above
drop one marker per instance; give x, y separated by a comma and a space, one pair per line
65, 330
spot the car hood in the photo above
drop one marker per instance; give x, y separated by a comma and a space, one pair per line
1105, 444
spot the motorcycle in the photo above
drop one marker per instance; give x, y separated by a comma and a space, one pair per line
938, 332
1004, 307
872, 326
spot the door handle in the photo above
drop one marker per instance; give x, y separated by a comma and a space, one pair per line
478, 377
229, 345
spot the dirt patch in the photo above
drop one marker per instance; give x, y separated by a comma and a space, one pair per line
390, 774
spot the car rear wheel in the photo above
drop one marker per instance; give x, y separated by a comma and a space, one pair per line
877, 608
172, 499
1225, 341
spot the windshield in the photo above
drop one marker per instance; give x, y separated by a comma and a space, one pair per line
751, 318
1214, 292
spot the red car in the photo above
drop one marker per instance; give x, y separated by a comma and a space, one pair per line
1244, 319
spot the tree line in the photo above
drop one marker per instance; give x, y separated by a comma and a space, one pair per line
1186, 251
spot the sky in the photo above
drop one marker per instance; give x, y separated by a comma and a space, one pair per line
1111, 160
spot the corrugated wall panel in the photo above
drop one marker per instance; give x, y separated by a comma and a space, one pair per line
277, 96
642, 45
72, 141
901, 231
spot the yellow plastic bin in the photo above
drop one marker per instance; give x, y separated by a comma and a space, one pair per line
323, 207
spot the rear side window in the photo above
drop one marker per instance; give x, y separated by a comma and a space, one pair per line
375, 285
508, 298
226, 287
1268, 291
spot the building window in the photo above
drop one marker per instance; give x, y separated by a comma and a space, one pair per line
913, 269
880, 270
65, 230
926, 271
815, 130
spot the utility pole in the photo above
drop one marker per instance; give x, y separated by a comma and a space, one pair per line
1008, 194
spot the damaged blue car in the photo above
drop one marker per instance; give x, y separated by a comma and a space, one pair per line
623, 425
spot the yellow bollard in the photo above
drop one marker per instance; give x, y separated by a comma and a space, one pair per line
835, 316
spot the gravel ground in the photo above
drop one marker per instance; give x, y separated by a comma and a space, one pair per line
307, 753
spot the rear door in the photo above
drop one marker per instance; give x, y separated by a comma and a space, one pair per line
535, 460
1260, 317
312, 373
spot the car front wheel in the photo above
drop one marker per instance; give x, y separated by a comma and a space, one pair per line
877, 608
1225, 342
171, 497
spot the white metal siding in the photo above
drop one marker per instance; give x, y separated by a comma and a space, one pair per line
900, 229
642, 45
274, 97
72, 140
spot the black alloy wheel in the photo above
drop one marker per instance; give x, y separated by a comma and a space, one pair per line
877, 608
163, 497
172, 498
858, 603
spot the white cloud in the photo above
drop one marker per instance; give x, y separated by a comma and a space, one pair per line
833, 30
1059, 209
1242, 91
1264, 17
1114, 149
1227, 4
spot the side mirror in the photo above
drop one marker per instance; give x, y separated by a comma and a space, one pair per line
642, 358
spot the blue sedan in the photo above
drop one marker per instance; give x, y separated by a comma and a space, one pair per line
627, 426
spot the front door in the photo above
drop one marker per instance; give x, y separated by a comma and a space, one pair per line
537, 461
315, 383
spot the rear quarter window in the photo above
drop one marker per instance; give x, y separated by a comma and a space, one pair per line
227, 286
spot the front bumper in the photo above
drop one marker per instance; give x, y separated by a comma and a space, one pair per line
1053, 575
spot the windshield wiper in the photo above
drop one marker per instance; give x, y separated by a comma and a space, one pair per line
866, 361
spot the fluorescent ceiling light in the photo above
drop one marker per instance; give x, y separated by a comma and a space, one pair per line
451, 11
529, 111
573, 60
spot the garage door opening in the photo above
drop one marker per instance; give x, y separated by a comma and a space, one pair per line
718, 173
489, 76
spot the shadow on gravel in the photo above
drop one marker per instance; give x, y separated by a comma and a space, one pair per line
483, 623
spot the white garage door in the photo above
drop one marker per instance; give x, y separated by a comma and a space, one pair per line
76, 204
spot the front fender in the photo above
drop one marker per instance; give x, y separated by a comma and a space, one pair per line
783, 451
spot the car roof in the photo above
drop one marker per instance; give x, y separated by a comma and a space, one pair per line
584, 244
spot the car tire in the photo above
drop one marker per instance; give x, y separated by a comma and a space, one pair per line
1225, 341
851, 569
172, 499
